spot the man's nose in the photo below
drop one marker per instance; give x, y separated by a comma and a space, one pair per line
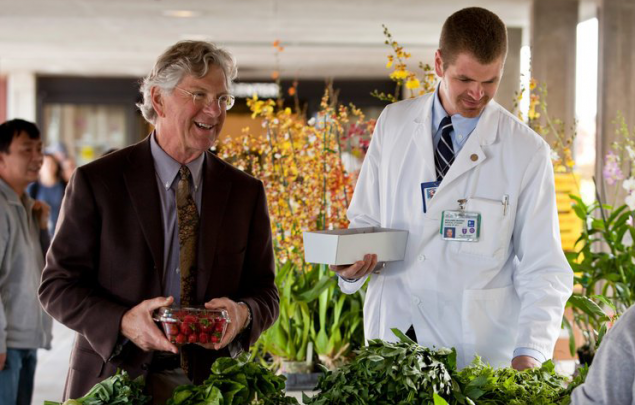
476, 91
213, 109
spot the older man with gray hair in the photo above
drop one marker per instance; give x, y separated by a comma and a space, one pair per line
159, 223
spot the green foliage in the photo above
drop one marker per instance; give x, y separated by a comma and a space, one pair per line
603, 263
406, 373
488, 386
235, 382
388, 373
315, 316
116, 390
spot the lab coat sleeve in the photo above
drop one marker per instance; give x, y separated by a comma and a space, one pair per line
543, 278
364, 210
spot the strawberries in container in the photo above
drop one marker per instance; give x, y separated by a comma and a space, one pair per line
198, 325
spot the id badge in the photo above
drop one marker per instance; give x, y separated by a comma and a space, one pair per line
427, 192
460, 226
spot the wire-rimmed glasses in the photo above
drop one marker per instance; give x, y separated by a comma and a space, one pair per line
202, 99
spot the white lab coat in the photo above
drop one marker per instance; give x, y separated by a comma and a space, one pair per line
506, 291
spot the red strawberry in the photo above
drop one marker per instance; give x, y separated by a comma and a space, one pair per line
193, 338
186, 328
206, 326
181, 339
189, 318
214, 339
171, 329
219, 326
203, 337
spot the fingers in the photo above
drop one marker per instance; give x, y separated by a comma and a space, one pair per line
358, 269
235, 319
3, 359
138, 325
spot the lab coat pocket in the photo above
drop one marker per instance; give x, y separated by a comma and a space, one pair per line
494, 233
489, 324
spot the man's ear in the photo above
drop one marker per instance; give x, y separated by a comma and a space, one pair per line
438, 63
157, 101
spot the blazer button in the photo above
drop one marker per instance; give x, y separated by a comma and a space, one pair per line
145, 366
474, 157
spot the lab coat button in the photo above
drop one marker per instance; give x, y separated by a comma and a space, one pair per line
416, 300
474, 157
422, 258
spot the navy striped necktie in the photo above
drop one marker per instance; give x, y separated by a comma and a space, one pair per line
444, 155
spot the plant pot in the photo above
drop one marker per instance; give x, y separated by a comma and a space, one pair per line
295, 367
299, 375
301, 382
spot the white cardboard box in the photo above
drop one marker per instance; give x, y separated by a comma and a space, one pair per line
346, 246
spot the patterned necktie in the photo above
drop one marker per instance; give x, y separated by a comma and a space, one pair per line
444, 155
188, 233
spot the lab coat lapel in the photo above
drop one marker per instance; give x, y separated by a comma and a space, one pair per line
423, 138
472, 153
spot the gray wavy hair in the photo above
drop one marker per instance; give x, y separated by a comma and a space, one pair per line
183, 58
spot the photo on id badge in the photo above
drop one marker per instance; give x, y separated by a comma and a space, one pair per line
449, 233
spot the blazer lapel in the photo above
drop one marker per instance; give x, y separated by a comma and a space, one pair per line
140, 182
216, 189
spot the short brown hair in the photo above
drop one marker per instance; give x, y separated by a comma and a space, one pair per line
476, 31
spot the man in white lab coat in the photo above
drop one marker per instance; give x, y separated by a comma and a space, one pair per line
498, 286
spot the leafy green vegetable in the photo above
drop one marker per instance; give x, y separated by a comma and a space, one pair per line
116, 390
235, 382
389, 373
489, 386
405, 373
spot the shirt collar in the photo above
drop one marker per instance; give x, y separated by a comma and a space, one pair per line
461, 125
9, 192
167, 168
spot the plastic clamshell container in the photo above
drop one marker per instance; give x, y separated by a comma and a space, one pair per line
346, 246
198, 325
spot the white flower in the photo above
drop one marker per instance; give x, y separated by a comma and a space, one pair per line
630, 201
311, 122
554, 155
264, 123
631, 152
629, 184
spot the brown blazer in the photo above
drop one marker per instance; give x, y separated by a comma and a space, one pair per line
107, 256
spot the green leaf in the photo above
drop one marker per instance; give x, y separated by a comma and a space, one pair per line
438, 400
402, 337
586, 305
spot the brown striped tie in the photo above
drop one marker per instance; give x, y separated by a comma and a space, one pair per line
188, 233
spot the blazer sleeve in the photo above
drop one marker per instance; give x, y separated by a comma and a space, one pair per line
257, 283
70, 291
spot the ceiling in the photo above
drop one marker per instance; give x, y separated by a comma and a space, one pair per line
321, 38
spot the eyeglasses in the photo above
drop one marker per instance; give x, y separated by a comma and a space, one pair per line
202, 99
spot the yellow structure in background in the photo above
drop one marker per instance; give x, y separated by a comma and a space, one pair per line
570, 224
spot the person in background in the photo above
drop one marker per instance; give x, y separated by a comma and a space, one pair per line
611, 378
502, 294
158, 223
24, 239
49, 188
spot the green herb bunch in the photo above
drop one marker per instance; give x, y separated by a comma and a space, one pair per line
389, 373
119, 389
235, 382
539, 386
